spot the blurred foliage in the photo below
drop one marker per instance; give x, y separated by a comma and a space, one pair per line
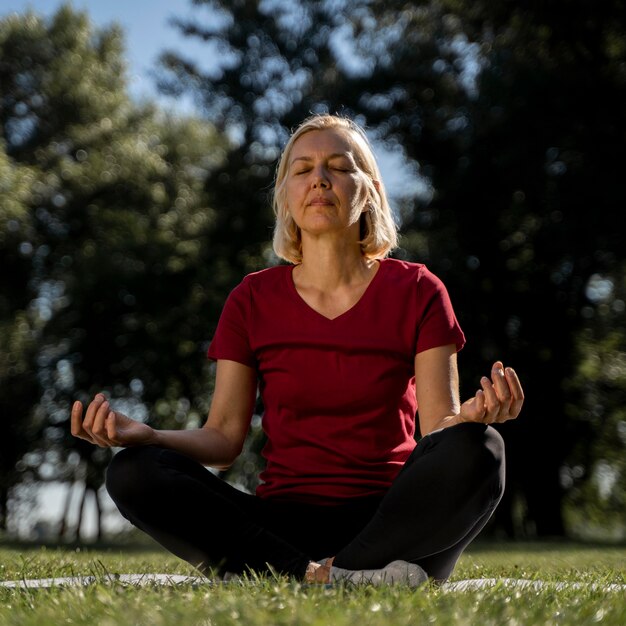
123, 230
595, 474
514, 119
107, 270
539, 186
18, 384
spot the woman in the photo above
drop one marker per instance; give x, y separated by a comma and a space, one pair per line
344, 345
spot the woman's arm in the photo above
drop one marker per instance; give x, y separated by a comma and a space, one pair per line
437, 388
217, 443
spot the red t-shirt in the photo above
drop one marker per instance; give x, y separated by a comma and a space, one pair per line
339, 395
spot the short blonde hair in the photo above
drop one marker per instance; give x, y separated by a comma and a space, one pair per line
379, 233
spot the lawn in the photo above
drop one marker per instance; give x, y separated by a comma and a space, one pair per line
271, 601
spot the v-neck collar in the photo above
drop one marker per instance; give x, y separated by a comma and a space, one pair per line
303, 303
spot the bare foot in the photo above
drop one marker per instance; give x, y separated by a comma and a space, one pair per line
318, 573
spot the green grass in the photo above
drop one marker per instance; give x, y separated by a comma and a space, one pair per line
270, 601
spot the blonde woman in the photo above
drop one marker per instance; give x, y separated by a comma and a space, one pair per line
344, 345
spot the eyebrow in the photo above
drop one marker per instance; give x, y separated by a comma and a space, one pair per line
335, 155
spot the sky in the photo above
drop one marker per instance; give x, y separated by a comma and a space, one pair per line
148, 32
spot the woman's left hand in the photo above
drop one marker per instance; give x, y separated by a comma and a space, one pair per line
499, 400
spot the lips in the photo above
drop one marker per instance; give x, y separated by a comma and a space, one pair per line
320, 202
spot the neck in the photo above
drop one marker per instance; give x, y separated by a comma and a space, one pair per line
327, 265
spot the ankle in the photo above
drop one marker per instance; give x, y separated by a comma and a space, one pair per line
318, 572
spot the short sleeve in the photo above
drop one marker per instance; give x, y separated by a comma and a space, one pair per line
232, 335
437, 325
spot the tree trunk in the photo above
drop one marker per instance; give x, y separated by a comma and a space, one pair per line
81, 508
98, 515
65, 515
4, 501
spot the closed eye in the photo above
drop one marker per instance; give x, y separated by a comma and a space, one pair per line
334, 168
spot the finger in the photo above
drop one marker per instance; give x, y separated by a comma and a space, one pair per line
517, 393
492, 404
113, 424
474, 409
111, 427
479, 404
501, 386
77, 421
98, 430
92, 409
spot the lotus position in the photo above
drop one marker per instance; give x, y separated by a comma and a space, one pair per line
345, 346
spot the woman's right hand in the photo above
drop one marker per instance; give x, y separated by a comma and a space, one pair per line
107, 428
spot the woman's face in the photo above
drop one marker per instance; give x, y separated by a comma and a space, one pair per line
324, 191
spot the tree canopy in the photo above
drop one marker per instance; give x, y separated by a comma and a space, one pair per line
514, 116
124, 229
107, 286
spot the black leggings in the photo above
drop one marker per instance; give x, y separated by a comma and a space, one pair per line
440, 500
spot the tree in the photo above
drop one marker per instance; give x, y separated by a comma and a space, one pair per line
17, 334
543, 154
108, 225
596, 471
514, 116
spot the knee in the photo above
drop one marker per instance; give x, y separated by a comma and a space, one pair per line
130, 473
473, 437
480, 449
482, 441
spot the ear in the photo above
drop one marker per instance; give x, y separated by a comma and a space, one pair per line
368, 207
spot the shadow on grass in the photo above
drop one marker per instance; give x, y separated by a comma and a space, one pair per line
553, 544
132, 544
138, 543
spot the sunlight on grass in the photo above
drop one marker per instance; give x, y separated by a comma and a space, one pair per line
270, 601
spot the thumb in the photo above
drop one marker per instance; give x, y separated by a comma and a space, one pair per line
480, 403
111, 426
475, 407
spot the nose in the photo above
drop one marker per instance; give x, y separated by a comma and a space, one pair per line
320, 180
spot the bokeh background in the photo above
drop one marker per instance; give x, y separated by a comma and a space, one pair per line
136, 161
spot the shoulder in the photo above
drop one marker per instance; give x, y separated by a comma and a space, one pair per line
268, 278
267, 282
409, 273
